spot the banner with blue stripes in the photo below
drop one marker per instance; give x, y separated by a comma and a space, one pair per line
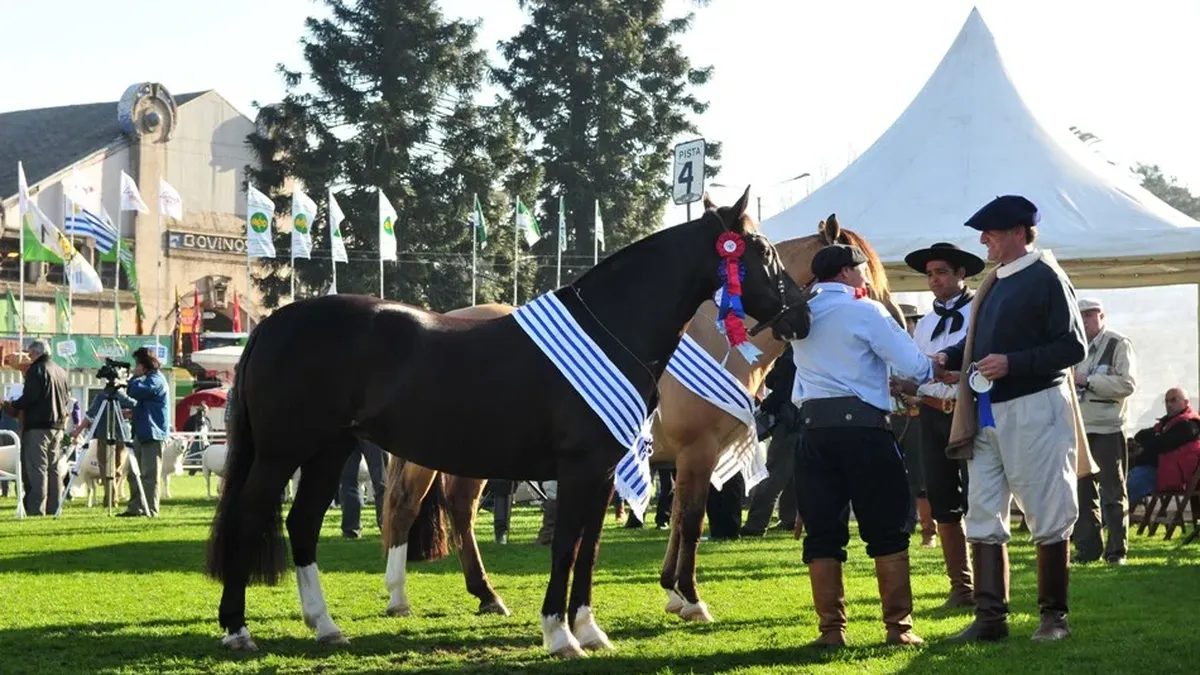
83, 223
600, 383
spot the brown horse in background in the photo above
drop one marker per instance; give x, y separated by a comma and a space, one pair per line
689, 431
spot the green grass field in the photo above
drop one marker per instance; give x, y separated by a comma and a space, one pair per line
92, 594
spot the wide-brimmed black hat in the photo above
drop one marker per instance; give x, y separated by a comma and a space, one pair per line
947, 252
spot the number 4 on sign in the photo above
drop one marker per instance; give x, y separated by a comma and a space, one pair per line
688, 173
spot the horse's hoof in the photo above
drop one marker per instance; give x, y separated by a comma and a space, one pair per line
399, 610
239, 641
569, 651
494, 607
674, 603
333, 639
695, 612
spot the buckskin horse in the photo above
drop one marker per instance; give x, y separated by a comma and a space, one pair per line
690, 432
399, 382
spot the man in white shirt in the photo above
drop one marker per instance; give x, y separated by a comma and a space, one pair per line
946, 268
847, 454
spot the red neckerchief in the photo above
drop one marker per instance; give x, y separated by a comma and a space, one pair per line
860, 293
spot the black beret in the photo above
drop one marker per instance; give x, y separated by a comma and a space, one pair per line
1004, 213
830, 260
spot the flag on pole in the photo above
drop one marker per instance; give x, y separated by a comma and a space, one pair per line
12, 315
562, 223
332, 288
237, 314
527, 224
84, 223
337, 246
259, 212
131, 199
479, 223
387, 228
169, 201
197, 319
62, 313
79, 192
304, 212
178, 324
43, 242
599, 227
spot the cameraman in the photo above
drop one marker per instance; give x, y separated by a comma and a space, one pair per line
147, 395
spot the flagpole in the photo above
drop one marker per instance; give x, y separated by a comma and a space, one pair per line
516, 248
381, 274
562, 233
158, 300
294, 264
596, 237
117, 280
67, 264
21, 328
474, 244
99, 304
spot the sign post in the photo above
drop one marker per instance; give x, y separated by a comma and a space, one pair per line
687, 176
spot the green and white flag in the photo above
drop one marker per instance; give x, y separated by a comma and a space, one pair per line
527, 224
479, 223
260, 211
337, 246
304, 213
387, 228
45, 243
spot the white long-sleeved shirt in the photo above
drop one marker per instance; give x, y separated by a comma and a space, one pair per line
922, 335
850, 347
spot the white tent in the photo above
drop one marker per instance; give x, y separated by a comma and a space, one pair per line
968, 137
218, 358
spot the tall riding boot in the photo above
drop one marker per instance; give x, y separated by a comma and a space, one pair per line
549, 515
1053, 573
829, 599
958, 565
929, 529
991, 594
895, 594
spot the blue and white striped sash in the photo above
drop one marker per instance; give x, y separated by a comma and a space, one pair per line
601, 384
697, 370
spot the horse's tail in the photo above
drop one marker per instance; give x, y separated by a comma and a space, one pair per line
426, 536
265, 555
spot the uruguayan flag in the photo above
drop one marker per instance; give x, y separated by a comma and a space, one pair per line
600, 383
697, 370
84, 223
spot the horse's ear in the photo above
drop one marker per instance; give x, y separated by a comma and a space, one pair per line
833, 231
708, 203
739, 207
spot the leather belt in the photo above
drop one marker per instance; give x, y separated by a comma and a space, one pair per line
944, 405
842, 411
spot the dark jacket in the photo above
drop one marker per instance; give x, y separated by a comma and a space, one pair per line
46, 398
781, 381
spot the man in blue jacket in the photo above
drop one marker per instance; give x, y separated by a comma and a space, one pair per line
147, 395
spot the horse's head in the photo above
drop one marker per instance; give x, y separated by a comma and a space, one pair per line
798, 254
768, 294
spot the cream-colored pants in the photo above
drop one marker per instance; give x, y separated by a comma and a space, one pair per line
1029, 455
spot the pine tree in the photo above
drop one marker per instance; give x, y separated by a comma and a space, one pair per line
388, 101
607, 90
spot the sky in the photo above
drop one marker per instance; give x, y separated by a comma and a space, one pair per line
799, 86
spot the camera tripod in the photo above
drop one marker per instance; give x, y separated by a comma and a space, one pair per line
111, 432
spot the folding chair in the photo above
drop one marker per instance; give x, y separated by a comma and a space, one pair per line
1187, 499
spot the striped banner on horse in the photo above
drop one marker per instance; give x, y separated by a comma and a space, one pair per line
697, 370
600, 383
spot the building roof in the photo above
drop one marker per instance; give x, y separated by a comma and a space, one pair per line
967, 137
48, 140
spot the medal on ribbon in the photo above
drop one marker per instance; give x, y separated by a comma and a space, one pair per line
982, 388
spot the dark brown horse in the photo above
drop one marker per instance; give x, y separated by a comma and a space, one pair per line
406, 379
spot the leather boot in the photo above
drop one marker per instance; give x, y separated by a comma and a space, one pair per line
958, 565
1053, 572
929, 529
829, 599
895, 594
545, 536
991, 595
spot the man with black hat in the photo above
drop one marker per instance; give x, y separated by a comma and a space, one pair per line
1024, 437
847, 454
946, 268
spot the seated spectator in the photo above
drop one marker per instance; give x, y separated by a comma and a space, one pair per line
1169, 451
